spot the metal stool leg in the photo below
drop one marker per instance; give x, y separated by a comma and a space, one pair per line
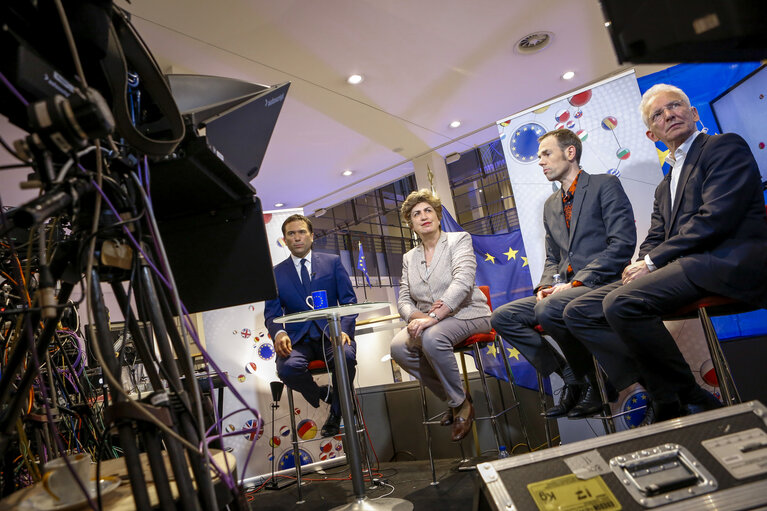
359, 424
517, 403
607, 416
474, 434
488, 397
426, 422
542, 398
730, 394
296, 454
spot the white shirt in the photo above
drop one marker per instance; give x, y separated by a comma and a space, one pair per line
297, 264
676, 160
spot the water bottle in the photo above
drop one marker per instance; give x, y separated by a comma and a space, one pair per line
557, 280
502, 452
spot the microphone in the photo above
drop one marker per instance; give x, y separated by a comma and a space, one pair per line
423, 262
276, 387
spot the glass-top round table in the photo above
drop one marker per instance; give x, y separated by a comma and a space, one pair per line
333, 315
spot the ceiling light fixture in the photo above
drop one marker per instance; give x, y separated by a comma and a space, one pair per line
534, 42
278, 204
455, 124
347, 172
355, 79
568, 75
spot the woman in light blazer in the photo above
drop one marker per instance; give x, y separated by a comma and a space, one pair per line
442, 306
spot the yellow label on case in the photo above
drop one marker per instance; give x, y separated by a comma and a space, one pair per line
568, 493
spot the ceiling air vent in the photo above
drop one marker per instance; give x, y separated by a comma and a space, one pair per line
534, 42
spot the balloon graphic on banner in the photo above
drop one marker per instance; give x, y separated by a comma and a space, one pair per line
623, 153
257, 428
284, 430
523, 143
708, 374
287, 461
562, 115
580, 99
307, 429
266, 351
251, 367
274, 441
632, 408
609, 123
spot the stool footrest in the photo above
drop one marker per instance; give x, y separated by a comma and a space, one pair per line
486, 417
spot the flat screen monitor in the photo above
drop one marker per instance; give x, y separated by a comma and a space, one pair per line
742, 109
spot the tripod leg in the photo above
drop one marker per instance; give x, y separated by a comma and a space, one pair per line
185, 422
125, 430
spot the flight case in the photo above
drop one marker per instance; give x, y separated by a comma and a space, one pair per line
711, 460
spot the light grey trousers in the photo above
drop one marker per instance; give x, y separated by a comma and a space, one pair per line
430, 357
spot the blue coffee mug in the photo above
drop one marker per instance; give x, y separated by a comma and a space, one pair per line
318, 300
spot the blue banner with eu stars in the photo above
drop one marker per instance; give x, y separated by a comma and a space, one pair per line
502, 266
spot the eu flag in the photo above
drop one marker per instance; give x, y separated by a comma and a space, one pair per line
362, 265
502, 266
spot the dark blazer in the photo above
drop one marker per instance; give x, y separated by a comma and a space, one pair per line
327, 274
718, 226
602, 234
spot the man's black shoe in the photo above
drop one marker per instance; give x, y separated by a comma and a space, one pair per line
571, 394
591, 400
332, 426
590, 404
659, 412
326, 394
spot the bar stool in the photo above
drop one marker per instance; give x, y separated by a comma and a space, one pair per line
476, 342
318, 367
704, 309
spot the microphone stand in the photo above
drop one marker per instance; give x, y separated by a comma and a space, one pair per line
276, 395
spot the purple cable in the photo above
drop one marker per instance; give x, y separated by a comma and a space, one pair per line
56, 435
13, 89
127, 231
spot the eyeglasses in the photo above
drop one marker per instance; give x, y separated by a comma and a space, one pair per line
656, 116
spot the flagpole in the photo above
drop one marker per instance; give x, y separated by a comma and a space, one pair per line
364, 287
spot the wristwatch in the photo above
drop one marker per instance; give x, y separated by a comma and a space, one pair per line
433, 315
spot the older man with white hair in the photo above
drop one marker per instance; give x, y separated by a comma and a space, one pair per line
707, 235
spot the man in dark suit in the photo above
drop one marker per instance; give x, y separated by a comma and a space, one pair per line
708, 234
296, 344
590, 237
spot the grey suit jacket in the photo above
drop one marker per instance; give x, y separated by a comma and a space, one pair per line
450, 278
717, 227
602, 234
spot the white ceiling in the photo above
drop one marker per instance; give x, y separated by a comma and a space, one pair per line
425, 62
